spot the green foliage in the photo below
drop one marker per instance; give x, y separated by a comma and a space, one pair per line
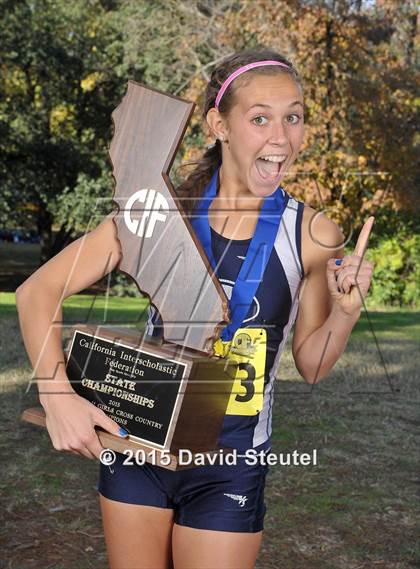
79, 208
123, 286
57, 91
396, 274
65, 67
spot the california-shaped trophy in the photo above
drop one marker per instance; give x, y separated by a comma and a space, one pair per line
172, 393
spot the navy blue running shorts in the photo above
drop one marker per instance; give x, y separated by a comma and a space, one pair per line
219, 497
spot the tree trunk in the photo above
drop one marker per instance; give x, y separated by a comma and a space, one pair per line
411, 38
61, 239
329, 38
44, 224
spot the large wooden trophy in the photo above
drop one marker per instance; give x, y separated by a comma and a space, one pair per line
169, 394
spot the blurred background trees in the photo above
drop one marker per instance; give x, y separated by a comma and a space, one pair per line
64, 68
57, 84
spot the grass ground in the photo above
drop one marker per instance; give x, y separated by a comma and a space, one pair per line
356, 509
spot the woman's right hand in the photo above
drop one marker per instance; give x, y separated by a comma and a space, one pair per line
71, 422
70, 419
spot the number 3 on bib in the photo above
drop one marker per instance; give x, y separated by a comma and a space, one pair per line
247, 351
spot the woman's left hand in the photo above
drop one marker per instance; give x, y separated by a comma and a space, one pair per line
349, 282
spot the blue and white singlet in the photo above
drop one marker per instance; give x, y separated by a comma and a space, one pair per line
274, 307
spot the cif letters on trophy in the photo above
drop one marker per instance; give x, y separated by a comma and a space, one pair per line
172, 393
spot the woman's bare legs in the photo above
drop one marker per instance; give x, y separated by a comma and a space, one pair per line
208, 549
137, 537
145, 537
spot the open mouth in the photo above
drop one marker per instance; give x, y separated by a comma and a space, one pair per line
269, 170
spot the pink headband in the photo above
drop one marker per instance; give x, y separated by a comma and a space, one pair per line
242, 69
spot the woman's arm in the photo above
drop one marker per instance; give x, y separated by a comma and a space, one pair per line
70, 418
328, 309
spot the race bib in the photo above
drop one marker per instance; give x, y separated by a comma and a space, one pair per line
247, 352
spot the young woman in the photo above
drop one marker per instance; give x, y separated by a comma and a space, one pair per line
212, 516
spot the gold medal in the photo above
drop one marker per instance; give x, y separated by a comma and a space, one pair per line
246, 355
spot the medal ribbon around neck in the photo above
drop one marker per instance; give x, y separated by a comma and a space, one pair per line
258, 253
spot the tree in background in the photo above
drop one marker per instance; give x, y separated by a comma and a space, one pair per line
65, 67
58, 88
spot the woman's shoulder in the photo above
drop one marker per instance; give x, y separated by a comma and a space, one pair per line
322, 238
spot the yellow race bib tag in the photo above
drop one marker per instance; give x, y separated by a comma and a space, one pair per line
245, 354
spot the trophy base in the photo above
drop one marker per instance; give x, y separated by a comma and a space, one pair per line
166, 397
165, 459
171, 400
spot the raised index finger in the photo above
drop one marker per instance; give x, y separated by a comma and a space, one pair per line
363, 238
